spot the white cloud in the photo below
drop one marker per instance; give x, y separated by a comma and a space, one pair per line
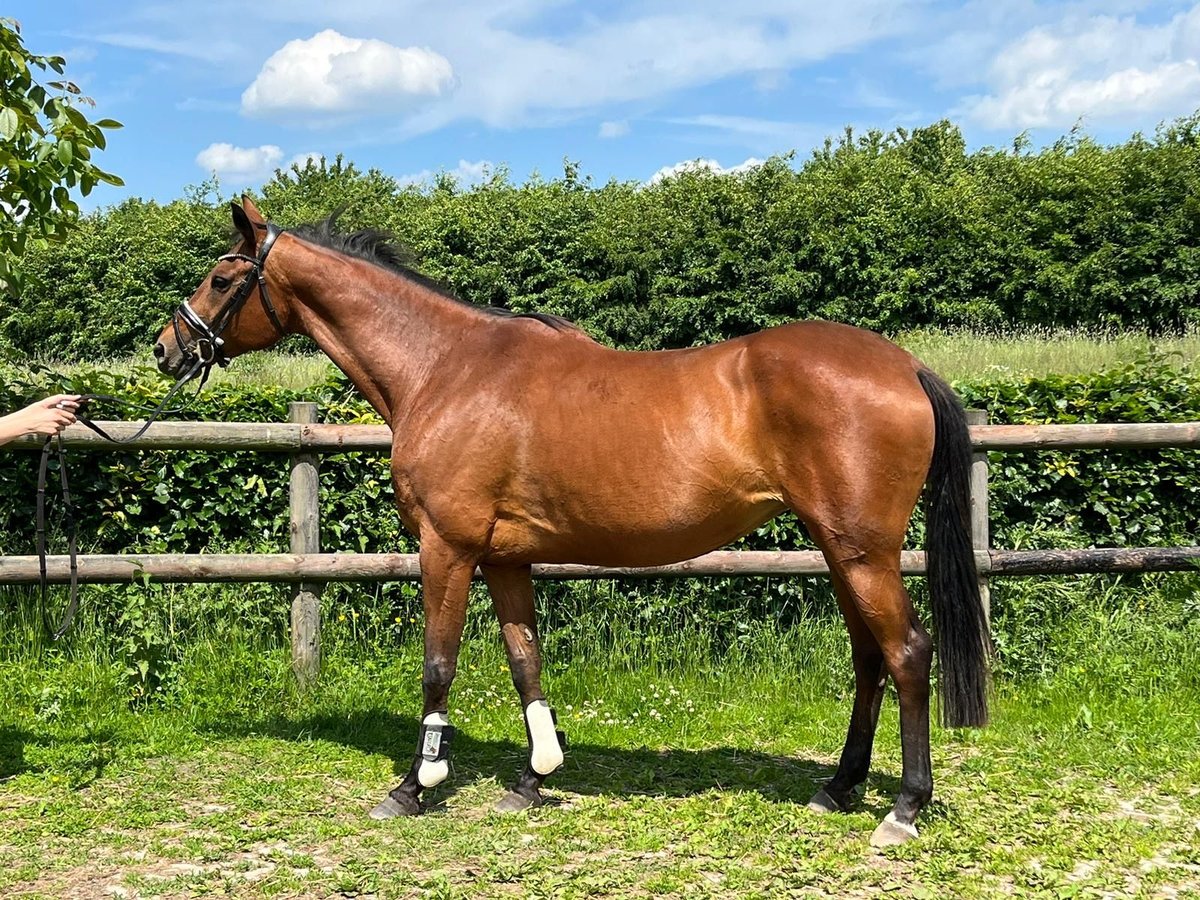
332, 73
614, 129
465, 173
239, 163
703, 165
1100, 68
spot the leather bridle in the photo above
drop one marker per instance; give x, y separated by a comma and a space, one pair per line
207, 349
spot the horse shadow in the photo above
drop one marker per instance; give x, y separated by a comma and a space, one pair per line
590, 769
88, 769
12, 752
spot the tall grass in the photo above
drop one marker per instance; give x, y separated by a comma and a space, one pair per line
1026, 352
1036, 353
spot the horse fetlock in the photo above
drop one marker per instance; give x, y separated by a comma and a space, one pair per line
545, 747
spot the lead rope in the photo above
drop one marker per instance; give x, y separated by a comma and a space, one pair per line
53, 446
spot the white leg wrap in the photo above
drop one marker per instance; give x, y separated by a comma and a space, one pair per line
544, 753
433, 773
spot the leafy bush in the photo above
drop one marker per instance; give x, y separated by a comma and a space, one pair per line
890, 231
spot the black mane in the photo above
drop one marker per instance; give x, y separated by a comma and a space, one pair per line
380, 249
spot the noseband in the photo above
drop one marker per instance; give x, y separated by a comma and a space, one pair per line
208, 348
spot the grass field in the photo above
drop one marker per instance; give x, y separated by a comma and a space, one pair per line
686, 776
954, 355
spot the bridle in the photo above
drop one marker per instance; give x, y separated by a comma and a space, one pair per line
204, 352
208, 349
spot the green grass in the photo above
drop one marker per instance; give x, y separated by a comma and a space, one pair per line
1038, 353
953, 355
687, 775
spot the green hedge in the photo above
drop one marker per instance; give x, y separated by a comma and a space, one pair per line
889, 231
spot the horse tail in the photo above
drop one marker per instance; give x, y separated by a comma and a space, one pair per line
960, 625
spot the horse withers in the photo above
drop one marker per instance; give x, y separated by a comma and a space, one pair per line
519, 440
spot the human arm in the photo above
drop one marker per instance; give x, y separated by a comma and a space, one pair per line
45, 417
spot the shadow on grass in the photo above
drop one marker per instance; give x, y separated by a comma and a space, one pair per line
85, 757
592, 769
12, 752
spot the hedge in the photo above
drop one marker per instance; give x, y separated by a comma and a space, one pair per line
889, 231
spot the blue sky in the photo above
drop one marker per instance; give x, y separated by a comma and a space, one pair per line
627, 89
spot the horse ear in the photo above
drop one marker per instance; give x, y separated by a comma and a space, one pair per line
245, 227
256, 218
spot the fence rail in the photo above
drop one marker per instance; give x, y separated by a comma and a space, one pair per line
321, 568
306, 568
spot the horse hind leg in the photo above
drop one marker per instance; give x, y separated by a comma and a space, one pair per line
871, 580
870, 679
512, 598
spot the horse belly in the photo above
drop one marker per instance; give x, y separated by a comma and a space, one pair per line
644, 531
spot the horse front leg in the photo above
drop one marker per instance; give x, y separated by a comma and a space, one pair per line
512, 598
445, 582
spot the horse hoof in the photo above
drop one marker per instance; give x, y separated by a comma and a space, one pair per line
891, 833
821, 802
390, 808
514, 802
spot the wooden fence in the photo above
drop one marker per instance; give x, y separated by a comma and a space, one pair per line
306, 568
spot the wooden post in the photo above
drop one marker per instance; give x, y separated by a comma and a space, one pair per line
305, 510
980, 538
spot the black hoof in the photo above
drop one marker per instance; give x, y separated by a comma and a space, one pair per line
391, 807
892, 833
515, 801
821, 802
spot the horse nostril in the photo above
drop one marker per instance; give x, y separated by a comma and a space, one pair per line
160, 351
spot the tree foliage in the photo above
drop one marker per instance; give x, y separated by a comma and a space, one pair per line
46, 146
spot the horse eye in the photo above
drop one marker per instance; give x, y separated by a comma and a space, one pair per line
220, 283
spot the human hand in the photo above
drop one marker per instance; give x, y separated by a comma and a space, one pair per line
47, 417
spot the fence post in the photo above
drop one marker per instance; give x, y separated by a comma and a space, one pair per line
305, 513
980, 539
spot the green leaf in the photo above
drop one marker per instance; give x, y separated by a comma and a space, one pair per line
8, 123
109, 123
66, 152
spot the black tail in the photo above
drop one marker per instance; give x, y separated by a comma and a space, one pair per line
960, 626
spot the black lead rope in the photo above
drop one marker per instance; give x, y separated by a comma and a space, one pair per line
53, 446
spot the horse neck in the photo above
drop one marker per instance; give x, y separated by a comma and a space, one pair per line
389, 334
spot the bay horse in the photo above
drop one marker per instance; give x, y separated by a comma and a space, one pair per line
519, 440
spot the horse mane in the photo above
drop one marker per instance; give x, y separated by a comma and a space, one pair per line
381, 249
